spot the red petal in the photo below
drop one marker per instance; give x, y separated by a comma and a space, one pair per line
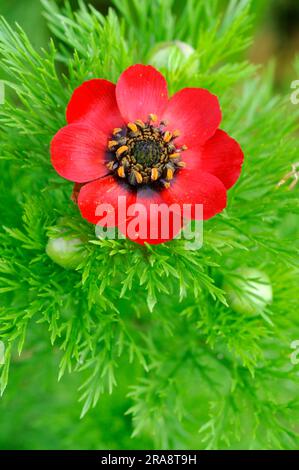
141, 90
95, 103
78, 153
196, 113
190, 187
223, 157
106, 191
150, 220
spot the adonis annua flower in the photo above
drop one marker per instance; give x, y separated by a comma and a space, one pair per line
131, 142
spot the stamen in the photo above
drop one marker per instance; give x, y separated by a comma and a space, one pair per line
121, 150
112, 143
110, 165
132, 179
153, 117
175, 155
121, 172
132, 126
138, 176
169, 174
117, 130
125, 162
140, 123
145, 153
294, 173
167, 136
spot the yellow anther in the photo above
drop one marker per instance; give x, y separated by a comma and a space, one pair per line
140, 123
184, 147
132, 126
181, 164
110, 165
154, 174
138, 177
121, 172
166, 185
121, 150
153, 117
167, 136
175, 155
112, 144
116, 130
176, 133
169, 174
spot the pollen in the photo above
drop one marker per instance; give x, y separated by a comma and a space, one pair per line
121, 150
112, 143
169, 174
154, 174
121, 172
138, 177
153, 117
132, 126
116, 130
167, 136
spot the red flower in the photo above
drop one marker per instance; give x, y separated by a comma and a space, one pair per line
131, 140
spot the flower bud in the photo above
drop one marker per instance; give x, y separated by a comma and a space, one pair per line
163, 52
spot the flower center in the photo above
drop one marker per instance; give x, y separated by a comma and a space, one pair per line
144, 153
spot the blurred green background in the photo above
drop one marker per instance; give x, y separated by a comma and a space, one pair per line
35, 413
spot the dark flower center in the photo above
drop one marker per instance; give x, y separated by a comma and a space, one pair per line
147, 152
144, 153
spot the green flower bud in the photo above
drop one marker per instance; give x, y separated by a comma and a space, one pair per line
67, 252
163, 52
249, 291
